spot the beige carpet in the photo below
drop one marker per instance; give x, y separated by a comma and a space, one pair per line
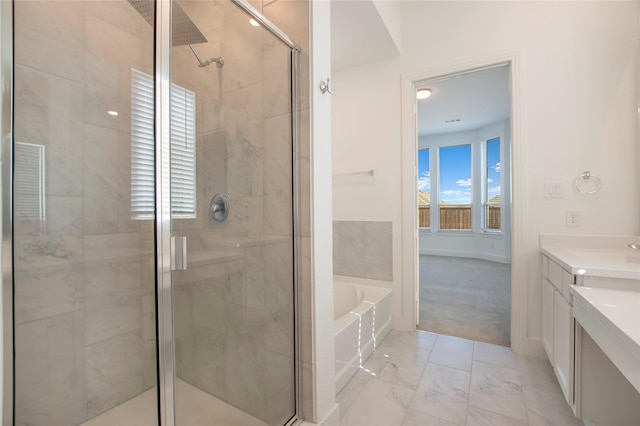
467, 298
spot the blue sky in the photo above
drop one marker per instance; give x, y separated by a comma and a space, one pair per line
455, 172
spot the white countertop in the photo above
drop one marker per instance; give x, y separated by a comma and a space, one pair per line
612, 319
614, 263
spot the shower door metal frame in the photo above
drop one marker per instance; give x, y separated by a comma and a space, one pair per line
6, 249
164, 297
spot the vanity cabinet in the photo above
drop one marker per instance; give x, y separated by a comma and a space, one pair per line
558, 324
548, 308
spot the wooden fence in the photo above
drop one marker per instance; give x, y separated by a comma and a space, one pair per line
455, 216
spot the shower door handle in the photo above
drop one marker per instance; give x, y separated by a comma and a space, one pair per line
178, 253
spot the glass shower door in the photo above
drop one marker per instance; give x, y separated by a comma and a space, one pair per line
231, 190
101, 337
84, 279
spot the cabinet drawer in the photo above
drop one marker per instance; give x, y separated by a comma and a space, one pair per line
545, 266
555, 274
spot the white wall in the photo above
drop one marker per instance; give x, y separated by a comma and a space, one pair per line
578, 99
325, 409
475, 243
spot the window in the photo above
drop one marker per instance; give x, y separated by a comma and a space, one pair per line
29, 183
424, 189
455, 187
492, 190
183, 153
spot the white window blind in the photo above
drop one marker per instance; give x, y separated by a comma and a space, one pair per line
183, 149
29, 183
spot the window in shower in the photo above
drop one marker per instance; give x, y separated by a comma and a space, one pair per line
29, 201
183, 149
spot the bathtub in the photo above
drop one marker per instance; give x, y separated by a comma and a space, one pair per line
362, 318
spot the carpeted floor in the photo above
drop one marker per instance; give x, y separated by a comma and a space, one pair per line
467, 298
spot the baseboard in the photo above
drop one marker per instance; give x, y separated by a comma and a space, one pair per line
467, 254
333, 417
535, 348
402, 323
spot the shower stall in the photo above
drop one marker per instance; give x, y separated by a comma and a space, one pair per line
150, 213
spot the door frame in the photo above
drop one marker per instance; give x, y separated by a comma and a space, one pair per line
409, 224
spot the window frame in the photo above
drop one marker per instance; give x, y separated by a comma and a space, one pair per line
485, 186
477, 139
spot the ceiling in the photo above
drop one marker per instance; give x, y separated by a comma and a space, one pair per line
359, 36
477, 99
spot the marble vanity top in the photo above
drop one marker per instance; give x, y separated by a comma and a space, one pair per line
612, 319
619, 310
598, 256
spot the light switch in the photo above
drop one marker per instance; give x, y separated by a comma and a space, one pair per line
553, 190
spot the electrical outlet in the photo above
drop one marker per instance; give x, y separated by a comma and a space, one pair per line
573, 218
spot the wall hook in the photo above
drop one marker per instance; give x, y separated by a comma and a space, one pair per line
325, 87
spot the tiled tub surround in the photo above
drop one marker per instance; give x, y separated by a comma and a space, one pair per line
363, 249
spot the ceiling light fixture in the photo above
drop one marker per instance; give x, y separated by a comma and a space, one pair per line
112, 112
423, 93
254, 22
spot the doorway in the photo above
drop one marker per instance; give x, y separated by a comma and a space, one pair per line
152, 233
464, 205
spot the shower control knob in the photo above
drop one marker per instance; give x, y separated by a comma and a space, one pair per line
219, 208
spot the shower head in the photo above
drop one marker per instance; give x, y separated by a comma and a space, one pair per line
183, 30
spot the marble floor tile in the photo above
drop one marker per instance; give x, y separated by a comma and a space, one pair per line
464, 383
537, 373
416, 418
410, 340
398, 366
452, 352
548, 409
379, 403
350, 392
497, 389
478, 417
494, 354
443, 392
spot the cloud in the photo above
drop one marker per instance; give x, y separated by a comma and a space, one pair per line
489, 180
424, 181
464, 182
497, 167
456, 196
494, 190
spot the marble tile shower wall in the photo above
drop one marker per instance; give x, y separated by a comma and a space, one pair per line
363, 249
235, 340
234, 314
84, 304
85, 318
